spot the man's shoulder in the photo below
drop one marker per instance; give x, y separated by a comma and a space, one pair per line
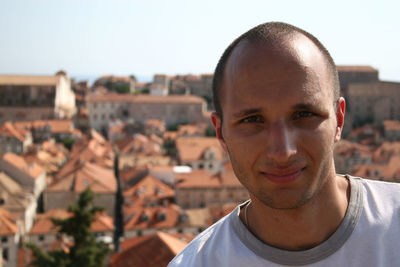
195, 252
381, 191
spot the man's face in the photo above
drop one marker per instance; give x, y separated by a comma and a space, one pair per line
279, 121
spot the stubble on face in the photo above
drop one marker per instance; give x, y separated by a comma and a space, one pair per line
281, 198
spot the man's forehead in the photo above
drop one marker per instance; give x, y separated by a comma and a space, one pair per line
283, 55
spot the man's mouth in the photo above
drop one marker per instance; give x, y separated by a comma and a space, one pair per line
283, 176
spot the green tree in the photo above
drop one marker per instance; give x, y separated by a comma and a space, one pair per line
85, 251
122, 88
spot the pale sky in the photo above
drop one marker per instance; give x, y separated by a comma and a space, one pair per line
122, 37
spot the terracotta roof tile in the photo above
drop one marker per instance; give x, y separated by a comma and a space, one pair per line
7, 223
113, 97
56, 126
192, 129
391, 125
355, 69
157, 217
44, 225
33, 169
193, 148
29, 80
152, 250
9, 129
85, 174
16, 198
150, 187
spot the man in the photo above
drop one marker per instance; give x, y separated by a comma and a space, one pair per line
278, 115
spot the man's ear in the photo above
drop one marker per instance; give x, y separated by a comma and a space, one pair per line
217, 122
340, 111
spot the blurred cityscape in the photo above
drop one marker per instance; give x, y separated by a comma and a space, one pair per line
149, 153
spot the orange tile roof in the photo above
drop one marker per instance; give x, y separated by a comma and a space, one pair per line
158, 217
33, 169
356, 69
8, 129
198, 179
29, 80
349, 149
192, 129
113, 97
44, 225
170, 135
7, 223
56, 126
203, 179
102, 223
193, 148
386, 150
17, 199
149, 187
140, 144
391, 125
149, 251
100, 180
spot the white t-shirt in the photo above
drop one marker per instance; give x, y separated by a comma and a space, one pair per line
369, 235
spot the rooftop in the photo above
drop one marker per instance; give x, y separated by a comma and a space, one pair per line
114, 97
344, 68
31, 169
29, 80
148, 251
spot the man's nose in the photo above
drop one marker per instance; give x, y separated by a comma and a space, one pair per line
281, 143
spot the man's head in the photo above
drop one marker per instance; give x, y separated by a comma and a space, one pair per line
269, 34
281, 114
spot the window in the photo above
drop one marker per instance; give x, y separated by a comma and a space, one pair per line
4, 239
41, 237
5, 254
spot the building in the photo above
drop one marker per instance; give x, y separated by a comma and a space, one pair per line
31, 176
199, 189
44, 233
45, 129
201, 153
9, 237
76, 178
160, 85
153, 250
14, 139
172, 109
374, 102
391, 130
120, 84
356, 74
15, 199
24, 97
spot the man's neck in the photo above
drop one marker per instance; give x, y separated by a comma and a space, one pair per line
305, 227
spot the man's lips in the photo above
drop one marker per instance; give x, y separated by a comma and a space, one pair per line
283, 176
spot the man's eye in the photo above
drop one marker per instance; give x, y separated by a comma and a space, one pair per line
303, 114
252, 119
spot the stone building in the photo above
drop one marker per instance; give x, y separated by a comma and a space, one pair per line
200, 153
24, 97
16, 199
14, 139
356, 74
374, 102
160, 85
30, 176
172, 109
9, 237
199, 188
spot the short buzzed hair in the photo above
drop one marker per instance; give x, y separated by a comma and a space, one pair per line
269, 33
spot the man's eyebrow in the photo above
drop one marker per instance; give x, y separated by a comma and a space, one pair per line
305, 107
246, 112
